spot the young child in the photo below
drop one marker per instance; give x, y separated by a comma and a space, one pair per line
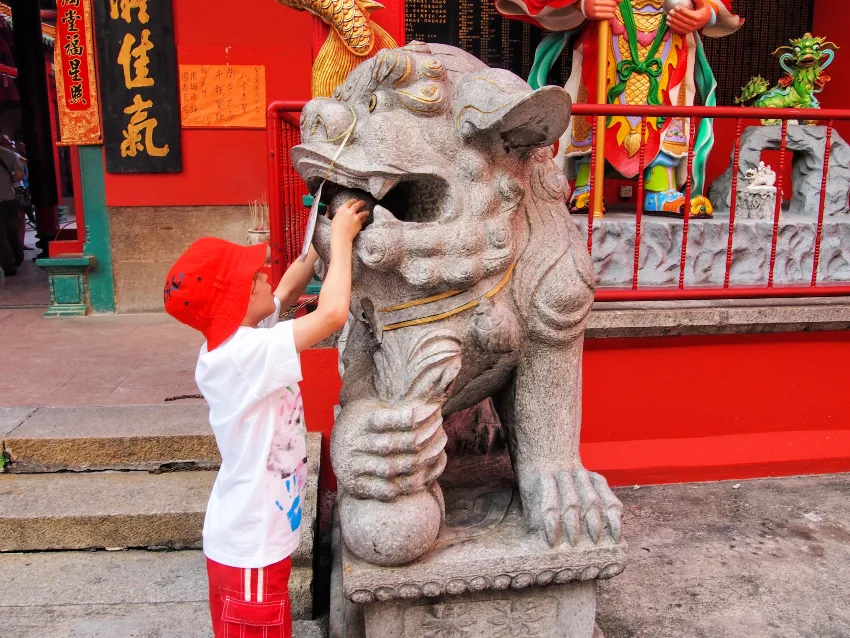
248, 371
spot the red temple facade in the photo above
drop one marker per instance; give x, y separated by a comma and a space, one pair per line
678, 387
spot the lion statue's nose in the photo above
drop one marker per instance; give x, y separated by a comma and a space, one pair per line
324, 120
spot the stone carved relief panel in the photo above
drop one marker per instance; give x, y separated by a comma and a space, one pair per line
499, 618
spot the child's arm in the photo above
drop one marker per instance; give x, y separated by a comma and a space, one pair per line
335, 297
295, 280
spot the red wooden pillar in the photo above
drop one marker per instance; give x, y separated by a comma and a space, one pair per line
69, 242
54, 124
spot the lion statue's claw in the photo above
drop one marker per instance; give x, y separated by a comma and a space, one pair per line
565, 504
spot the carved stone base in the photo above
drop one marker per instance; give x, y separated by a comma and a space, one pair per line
807, 145
757, 202
487, 615
555, 611
708, 240
488, 577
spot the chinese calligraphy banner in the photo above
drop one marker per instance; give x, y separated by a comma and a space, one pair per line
138, 80
76, 86
227, 95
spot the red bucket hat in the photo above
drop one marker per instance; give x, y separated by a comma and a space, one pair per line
209, 286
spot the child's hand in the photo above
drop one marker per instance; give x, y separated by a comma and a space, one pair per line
348, 220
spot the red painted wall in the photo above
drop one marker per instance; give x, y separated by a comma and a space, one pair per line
222, 166
677, 409
708, 408
320, 391
831, 21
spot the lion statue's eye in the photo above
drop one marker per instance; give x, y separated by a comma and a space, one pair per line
816, 47
373, 102
797, 49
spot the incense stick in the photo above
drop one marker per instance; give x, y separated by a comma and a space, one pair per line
259, 211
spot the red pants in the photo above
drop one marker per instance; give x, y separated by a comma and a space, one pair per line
250, 602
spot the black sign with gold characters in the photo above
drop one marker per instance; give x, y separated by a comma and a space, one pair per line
137, 64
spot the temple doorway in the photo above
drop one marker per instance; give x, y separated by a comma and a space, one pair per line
46, 192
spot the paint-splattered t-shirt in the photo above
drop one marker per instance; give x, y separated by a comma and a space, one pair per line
251, 384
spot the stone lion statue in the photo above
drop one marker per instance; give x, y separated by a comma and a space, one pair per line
470, 281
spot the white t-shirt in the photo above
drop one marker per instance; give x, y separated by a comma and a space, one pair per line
251, 384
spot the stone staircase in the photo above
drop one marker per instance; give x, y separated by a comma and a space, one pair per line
735, 559
124, 477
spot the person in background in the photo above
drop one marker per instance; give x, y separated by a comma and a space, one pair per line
11, 246
23, 189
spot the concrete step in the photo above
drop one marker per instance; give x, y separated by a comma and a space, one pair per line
102, 509
92, 510
108, 437
131, 593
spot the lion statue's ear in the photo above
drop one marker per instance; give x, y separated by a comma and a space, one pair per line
496, 103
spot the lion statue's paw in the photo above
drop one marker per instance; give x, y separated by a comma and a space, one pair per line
567, 503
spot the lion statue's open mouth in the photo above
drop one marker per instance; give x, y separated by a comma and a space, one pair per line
403, 197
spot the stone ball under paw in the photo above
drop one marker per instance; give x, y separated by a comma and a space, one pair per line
393, 533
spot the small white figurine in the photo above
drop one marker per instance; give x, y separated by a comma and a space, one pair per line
761, 176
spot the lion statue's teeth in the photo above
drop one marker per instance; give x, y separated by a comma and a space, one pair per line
379, 187
381, 215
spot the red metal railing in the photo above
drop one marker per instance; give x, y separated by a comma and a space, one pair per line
288, 215
740, 115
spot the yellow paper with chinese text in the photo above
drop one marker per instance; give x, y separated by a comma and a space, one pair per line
229, 95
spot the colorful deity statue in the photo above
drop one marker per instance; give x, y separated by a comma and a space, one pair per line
656, 58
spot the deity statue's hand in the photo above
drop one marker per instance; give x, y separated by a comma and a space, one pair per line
600, 9
683, 21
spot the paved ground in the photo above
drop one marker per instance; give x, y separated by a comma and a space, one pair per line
108, 594
767, 559
101, 360
28, 288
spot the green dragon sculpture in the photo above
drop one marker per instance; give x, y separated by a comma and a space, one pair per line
804, 62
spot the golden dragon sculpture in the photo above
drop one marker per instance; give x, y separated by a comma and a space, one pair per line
353, 38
